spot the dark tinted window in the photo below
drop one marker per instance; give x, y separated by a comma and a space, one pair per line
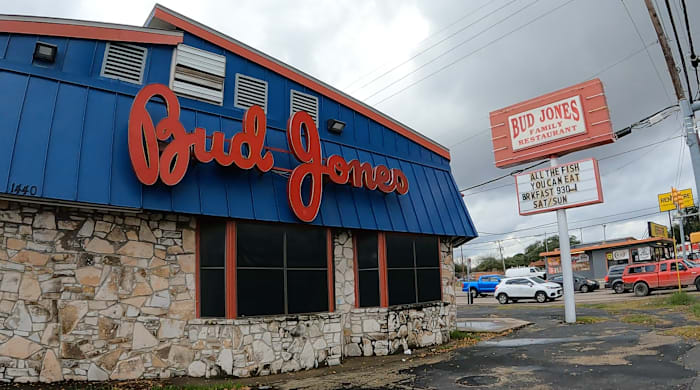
212, 244
212, 268
260, 292
399, 251
213, 293
306, 248
368, 288
427, 253
401, 287
259, 245
307, 291
428, 285
367, 254
413, 268
650, 268
281, 269
368, 268
663, 267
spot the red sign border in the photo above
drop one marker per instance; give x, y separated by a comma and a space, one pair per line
595, 114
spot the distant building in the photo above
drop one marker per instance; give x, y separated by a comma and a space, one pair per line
593, 259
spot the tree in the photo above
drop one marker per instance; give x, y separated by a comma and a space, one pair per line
690, 225
532, 251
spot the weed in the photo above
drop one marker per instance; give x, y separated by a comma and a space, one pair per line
590, 320
462, 335
679, 298
696, 309
643, 319
213, 386
690, 332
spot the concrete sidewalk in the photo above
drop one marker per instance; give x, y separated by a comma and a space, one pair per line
496, 325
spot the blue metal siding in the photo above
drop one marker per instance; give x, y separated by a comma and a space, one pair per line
64, 130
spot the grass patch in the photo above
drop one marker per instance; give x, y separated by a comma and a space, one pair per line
462, 335
679, 298
695, 309
212, 386
689, 332
642, 319
589, 320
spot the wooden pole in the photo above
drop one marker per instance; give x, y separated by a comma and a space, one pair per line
670, 63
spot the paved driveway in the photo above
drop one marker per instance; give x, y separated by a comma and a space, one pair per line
549, 354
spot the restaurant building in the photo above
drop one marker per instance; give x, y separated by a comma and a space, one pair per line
592, 260
174, 202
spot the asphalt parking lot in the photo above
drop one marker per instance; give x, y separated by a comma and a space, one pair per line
625, 347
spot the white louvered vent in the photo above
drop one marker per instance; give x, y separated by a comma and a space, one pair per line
250, 91
199, 74
300, 101
124, 62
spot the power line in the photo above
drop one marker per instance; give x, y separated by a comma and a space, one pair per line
572, 228
614, 64
656, 70
436, 44
694, 61
423, 41
680, 52
450, 50
472, 52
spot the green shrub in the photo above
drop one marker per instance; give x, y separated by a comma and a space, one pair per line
680, 298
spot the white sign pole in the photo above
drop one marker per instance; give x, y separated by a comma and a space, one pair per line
565, 255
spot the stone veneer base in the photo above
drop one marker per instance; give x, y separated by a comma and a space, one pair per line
93, 295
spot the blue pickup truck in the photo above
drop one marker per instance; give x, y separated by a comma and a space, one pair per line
485, 285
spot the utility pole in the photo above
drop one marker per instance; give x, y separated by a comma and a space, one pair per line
687, 108
604, 239
500, 249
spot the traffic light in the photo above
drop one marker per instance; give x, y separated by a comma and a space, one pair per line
676, 196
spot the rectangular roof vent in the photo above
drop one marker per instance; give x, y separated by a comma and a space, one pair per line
125, 62
250, 91
300, 101
199, 74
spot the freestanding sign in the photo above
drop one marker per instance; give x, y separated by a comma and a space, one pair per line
563, 186
551, 126
666, 200
554, 124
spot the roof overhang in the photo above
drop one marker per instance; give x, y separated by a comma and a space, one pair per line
163, 17
87, 30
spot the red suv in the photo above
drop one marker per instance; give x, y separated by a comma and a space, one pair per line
643, 278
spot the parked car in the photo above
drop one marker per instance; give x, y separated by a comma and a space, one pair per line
525, 271
485, 285
614, 278
533, 287
644, 278
581, 283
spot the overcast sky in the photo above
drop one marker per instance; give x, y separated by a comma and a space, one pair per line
441, 66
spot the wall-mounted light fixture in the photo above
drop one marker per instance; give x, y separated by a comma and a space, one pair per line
45, 52
335, 126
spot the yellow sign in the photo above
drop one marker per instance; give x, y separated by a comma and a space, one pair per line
666, 200
656, 230
695, 237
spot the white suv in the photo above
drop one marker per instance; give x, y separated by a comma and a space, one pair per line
531, 287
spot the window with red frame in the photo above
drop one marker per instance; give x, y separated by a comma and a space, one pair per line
262, 269
413, 269
410, 265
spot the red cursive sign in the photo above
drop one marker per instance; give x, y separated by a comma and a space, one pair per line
171, 163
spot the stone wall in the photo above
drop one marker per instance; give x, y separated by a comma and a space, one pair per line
382, 331
95, 295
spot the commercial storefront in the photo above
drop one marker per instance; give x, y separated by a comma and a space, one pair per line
173, 202
592, 260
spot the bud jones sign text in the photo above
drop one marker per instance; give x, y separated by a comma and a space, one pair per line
246, 150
